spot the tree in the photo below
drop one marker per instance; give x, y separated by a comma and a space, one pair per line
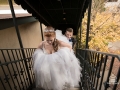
104, 28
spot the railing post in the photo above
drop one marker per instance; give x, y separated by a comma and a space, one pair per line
80, 32
77, 37
15, 23
41, 31
19, 37
88, 24
117, 79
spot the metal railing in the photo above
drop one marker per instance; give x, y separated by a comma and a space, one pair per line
101, 71
16, 69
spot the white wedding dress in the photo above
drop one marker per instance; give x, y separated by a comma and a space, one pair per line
56, 71
62, 37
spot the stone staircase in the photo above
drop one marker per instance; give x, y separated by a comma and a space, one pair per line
65, 89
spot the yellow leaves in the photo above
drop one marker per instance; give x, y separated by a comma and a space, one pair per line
104, 29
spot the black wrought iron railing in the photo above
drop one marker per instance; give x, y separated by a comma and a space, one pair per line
101, 71
16, 69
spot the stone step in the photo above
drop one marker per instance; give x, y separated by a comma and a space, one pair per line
65, 89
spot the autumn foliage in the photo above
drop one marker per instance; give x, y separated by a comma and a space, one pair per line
104, 28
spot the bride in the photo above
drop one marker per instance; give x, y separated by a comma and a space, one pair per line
55, 65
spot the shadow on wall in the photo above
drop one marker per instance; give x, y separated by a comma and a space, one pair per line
30, 35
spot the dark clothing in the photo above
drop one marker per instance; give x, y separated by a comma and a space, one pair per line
73, 40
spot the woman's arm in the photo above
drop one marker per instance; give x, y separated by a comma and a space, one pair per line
63, 44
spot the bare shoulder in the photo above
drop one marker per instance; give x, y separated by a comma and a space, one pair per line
41, 44
63, 44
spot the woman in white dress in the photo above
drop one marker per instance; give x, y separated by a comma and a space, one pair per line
55, 65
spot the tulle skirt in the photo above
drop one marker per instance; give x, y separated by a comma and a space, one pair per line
62, 37
56, 71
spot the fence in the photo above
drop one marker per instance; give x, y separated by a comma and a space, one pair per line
101, 71
16, 69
